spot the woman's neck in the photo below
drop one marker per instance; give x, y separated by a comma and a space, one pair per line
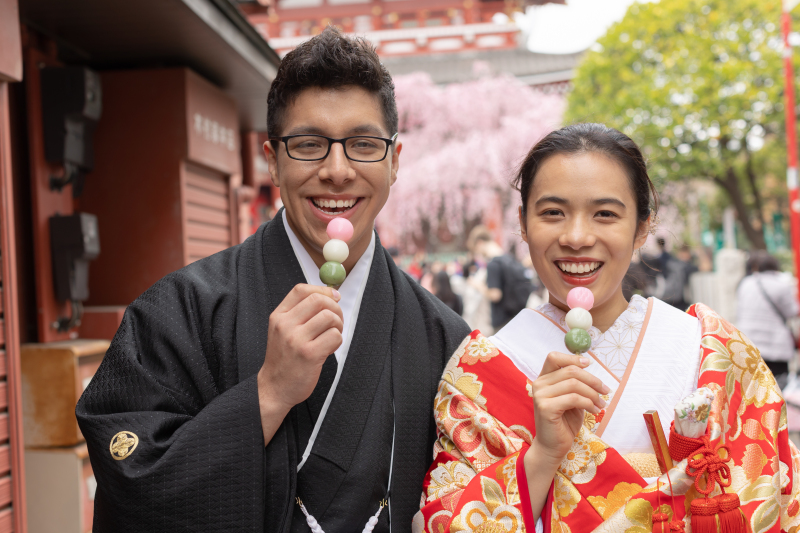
604, 315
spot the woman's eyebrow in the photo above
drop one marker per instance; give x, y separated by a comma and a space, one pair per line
551, 200
615, 201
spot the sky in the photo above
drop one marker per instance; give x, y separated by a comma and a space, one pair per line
563, 29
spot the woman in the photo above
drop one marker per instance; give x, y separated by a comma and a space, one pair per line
533, 438
766, 300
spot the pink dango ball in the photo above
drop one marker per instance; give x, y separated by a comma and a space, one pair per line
580, 297
340, 228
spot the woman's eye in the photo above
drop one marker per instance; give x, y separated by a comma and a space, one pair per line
551, 212
606, 214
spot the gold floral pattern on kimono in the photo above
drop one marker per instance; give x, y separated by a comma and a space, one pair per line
595, 488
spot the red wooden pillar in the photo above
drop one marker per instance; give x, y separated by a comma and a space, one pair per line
12, 476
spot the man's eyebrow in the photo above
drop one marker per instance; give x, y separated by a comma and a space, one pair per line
364, 129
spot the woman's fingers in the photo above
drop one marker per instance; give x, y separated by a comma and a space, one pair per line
558, 405
571, 372
570, 386
557, 360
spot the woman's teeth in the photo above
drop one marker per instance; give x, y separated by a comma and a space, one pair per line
578, 268
334, 207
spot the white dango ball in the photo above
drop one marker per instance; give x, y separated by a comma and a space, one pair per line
335, 250
579, 318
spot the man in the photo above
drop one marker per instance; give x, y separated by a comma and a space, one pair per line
218, 402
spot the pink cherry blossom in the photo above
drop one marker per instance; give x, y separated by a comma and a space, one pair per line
462, 144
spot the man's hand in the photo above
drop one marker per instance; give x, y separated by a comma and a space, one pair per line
303, 331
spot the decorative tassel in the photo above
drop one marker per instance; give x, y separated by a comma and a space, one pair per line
316, 528
731, 519
677, 526
373, 521
704, 515
310, 520
660, 524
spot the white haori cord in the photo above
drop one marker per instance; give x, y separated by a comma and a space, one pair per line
316, 528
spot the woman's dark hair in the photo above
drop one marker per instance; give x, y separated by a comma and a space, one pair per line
597, 138
330, 60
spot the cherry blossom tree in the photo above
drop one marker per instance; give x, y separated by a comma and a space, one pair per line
462, 144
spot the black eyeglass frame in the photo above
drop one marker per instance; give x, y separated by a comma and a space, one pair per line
331, 141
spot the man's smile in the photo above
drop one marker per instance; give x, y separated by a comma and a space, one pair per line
334, 206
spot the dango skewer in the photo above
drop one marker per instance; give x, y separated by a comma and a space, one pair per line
335, 252
580, 300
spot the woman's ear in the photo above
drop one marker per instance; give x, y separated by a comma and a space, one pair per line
523, 224
642, 232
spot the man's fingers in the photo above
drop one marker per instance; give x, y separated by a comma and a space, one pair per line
328, 342
568, 373
570, 386
312, 305
556, 360
301, 291
319, 323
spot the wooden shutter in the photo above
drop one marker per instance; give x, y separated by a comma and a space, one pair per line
207, 212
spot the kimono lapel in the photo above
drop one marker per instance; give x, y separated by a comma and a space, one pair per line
347, 415
270, 270
358, 420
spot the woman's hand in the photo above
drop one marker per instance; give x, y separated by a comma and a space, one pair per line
561, 393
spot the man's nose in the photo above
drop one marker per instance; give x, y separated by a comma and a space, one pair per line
337, 167
577, 234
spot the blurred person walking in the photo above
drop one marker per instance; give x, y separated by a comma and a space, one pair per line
766, 301
509, 284
443, 290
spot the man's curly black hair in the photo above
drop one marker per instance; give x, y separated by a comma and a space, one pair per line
330, 60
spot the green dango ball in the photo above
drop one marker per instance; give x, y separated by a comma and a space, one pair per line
332, 273
578, 340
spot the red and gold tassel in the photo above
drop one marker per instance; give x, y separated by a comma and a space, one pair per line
731, 518
660, 524
704, 515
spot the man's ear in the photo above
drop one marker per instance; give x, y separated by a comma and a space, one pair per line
398, 147
523, 224
272, 162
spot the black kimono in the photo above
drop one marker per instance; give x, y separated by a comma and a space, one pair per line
172, 418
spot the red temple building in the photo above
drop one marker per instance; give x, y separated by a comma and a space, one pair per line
396, 27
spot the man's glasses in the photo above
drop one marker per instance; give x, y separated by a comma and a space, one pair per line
364, 149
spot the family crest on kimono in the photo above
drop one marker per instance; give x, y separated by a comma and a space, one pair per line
534, 439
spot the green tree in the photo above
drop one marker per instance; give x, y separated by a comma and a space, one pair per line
698, 84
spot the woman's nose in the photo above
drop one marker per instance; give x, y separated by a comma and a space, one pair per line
577, 234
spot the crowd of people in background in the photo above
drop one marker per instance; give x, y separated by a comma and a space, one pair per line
489, 286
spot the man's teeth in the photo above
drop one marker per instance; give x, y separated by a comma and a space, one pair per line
322, 202
578, 268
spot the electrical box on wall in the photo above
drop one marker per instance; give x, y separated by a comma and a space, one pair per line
75, 241
71, 107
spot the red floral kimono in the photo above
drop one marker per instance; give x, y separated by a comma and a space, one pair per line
484, 413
